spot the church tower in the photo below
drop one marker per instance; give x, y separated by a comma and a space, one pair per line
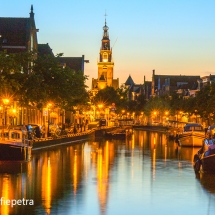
105, 64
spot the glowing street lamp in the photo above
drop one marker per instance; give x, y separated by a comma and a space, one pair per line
100, 106
49, 105
5, 103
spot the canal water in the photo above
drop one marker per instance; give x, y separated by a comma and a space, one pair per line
146, 174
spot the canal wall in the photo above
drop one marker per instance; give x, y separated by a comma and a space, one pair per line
151, 128
71, 138
62, 140
98, 132
171, 132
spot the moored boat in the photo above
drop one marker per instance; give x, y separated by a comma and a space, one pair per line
119, 133
15, 146
192, 136
205, 158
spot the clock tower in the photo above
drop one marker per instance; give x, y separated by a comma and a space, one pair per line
105, 64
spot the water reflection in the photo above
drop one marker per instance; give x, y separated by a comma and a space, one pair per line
207, 181
106, 177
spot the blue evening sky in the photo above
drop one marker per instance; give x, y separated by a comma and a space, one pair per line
171, 36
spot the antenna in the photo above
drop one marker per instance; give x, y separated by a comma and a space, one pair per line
114, 42
105, 17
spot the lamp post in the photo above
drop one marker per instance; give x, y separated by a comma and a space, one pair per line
166, 116
100, 106
155, 116
48, 109
196, 113
4, 120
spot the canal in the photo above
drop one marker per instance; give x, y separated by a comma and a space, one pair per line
146, 174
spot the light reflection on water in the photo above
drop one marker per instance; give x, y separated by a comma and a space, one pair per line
146, 174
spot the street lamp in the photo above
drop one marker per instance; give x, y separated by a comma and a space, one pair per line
166, 116
5, 103
100, 107
48, 108
123, 111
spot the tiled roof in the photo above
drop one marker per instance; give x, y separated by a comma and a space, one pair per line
129, 81
44, 49
15, 32
174, 79
75, 63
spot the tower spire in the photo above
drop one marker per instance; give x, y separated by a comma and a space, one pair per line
105, 17
32, 11
105, 28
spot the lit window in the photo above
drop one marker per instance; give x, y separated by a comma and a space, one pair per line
105, 57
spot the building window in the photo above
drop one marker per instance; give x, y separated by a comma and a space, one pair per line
105, 57
4, 41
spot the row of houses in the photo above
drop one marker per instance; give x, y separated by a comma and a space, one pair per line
166, 84
18, 35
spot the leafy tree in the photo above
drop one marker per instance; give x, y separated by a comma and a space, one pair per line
137, 105
159, 104
49, 81
205, 102
109, 95
13, 73
41, 80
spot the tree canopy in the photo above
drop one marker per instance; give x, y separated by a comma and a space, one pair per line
41, 80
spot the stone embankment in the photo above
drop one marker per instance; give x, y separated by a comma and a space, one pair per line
42, 143
171, 132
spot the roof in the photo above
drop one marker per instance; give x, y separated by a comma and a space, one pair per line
15, 32
74, 63
18, 34
44, 49
129, 81
175, 78
177, 81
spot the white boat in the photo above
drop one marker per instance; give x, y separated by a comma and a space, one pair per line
14, 145
192, 136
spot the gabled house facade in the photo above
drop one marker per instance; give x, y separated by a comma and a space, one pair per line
165, 84
18, 34
134, 90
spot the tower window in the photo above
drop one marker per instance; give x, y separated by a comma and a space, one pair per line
105, 57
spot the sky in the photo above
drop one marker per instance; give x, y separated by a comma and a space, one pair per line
168, 36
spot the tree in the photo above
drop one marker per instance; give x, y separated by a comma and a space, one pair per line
109, 95
205, 102
159, 104
37, 81
13, 73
